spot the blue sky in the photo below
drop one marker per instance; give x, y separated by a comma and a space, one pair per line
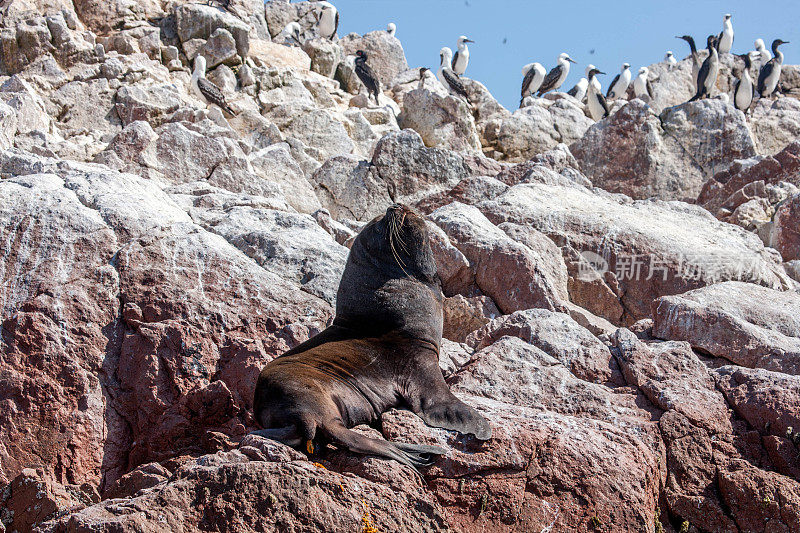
639, 32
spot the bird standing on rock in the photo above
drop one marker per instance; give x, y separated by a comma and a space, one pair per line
446, 75
670, 60
743, 88
461, 59
533, 76
204, 89
578, 90
555, 78
595, 101
367, 76
619, 85
725, 42
770, 74
391, 28
707, 77
292, 33
641, 85
327, 20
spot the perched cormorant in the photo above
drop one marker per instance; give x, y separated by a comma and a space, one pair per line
534, 76
461, 58
557, 74
367, 77
207, 91
619, 85
743, 88
770, 74
707, 77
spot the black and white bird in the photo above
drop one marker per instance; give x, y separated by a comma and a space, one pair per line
533, 76
696, 63
391, 28
619, 85
327, 20
707, 77
446, 75
743, 88
425, 75
593, 79
770, 73
578, 90
641, 85
367, 76
291, 33
204, 89
725, 42
461, 58
595, 101
670, 60
555, 78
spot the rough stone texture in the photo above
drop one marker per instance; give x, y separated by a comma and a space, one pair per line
776, 123
752, 326
385, 53
638, 153
198, 21
441, 121
786, 233
514, 275
646, 249
464, 315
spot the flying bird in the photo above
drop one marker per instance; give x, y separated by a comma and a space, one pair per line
534, 74
555, 78
619, 85
461, 58
770, 73
367, 76
206, 90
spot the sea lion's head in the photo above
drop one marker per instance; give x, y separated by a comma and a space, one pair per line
397, 242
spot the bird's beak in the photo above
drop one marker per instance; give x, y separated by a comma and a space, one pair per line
468, 41
570, 60
600, 72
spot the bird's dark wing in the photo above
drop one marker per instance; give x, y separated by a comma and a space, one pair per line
573, 91
550, 80
526, 81
602, 100
368, 78
454, 82
649, 89
765, 72
213, 94
453, 61
703, 74
335, 25
611, 86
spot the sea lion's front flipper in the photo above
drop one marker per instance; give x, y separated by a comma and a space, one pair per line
412, 455
288, 435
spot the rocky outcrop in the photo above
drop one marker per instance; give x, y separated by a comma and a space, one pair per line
156, 253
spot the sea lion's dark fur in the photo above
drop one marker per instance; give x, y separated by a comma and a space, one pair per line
381, 351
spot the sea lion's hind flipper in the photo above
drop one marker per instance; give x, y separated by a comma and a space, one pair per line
288, 435
455, 415
413, 456
423, 453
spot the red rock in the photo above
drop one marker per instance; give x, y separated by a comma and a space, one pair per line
463, 315
786, 231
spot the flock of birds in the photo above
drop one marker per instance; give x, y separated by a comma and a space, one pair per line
537, 81
704, 75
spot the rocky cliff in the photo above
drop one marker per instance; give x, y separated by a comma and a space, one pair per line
622, 296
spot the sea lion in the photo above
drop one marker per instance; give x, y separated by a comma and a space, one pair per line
382, 351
